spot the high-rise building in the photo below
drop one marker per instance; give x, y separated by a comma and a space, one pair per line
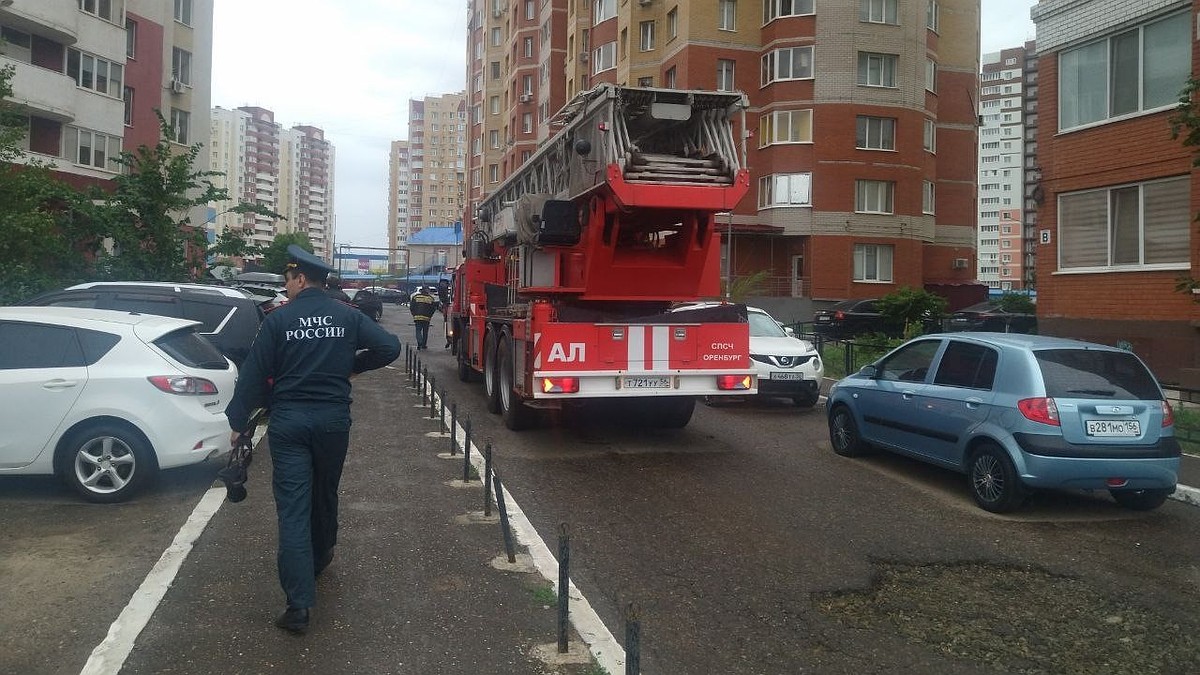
1008, 118
862, 122
308, 199
89, 75
398, 227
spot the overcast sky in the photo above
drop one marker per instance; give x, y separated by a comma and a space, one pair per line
350, 68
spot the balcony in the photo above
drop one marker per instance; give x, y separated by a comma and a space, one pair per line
49, 93
57, 21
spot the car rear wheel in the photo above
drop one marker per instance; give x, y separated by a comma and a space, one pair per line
993, 480
107, 463
490, 373
843, 434
517, 416
1140, 500
465, 372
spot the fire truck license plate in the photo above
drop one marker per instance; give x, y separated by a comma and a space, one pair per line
663, 382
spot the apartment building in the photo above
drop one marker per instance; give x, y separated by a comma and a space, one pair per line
289, 171
398, 226
1117, 193
1007, 113
862, 124
89, 74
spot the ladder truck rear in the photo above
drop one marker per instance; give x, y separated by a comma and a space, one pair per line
578, 266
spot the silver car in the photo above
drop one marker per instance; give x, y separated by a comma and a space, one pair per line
1014, 413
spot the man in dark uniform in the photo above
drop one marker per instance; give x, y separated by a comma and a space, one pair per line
333, 288
443, 294
300, 367
422, 305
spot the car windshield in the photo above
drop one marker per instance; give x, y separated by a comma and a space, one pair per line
763, 325
1092, 373
191, 349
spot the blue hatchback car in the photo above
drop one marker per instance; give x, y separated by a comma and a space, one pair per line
1015, 412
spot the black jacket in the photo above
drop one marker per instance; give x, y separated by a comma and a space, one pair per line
305, 352
422, 305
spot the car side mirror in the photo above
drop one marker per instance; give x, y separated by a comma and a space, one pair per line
868, 371
790, 331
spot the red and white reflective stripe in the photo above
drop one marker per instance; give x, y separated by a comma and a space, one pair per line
537, 353
649, 350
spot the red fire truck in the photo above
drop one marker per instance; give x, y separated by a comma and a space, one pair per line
573, 263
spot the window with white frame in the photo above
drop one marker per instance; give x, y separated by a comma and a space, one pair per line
873, 262
181, 121
477, 146
494, 138
669, 79
927, 195
930, 75
529, 10
929, 138
877, 11
790, 63
603, 10
604, 57
493, 173
645, 82
130, 39
527, 85
725, 75
181, 65
494, 105
932, 15
785, 189
183, 12
494, 69
92, 72
785, 126
727, 15
646, 29
774, 9
875, 133
673, 23
109, 10
877, 70
1126, 226
1140, 69
527, 48
90, 148
873, 196
527, 123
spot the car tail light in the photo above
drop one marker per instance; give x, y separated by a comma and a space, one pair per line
183, 385
734, 382
1168, 414
1042, 410
560, 385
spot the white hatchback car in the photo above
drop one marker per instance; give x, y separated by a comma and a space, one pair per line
104, 399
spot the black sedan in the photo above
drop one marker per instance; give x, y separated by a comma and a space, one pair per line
367, 302
847, 319
989, 316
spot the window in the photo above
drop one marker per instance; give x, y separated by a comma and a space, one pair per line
877, 70
669, 78
727, 15
788, 189
931, 15
127, 95
605, 57
494, 138
527, 85
494, 105
181, 65
929, 141
969, 365
673, 23
183, 12
493, 173
645, 82
725, 79
97, 74
1131, 225
927, 197
526, 123
785, 126
180, 121
90, 148
527, 48
104, 9
495, 70
130, 39
876, 133
873, 262
793, 63
496, 37
877, 11
873, 196
773, 9
40, 346
930, 75
603, 10
1141, 69
647, 32
529, 10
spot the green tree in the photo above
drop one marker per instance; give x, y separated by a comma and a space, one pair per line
1186, 122
275, 255
1016, 303
742, 288
909, 310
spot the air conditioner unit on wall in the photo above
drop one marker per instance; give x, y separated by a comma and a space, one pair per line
959, 263
526, 98
583, 57
176, 86
645, 3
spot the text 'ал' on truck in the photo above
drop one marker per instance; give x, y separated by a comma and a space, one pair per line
572, 263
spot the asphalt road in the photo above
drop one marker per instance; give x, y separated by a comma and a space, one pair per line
742, 539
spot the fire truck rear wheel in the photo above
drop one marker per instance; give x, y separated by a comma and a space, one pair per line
465, 372
674, 412
516, 415
490, 372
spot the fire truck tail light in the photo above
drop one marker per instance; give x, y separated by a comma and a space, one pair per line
560, 385
734, 382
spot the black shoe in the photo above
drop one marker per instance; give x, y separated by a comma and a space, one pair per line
293, 619
321, 563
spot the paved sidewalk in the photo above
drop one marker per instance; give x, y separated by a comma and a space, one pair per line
412, 588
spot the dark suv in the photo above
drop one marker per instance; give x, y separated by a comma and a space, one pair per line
228, 317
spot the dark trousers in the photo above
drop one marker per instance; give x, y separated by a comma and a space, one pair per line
422, 332
308, 447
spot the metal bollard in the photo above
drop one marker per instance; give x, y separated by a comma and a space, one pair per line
424, 381
453, 428
564, 585
508, 544
432, 398
467, 449
633, 640
487, 478
442, 410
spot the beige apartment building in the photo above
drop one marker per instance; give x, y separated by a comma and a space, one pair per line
398, 226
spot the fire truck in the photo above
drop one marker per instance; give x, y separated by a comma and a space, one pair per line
578, 267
